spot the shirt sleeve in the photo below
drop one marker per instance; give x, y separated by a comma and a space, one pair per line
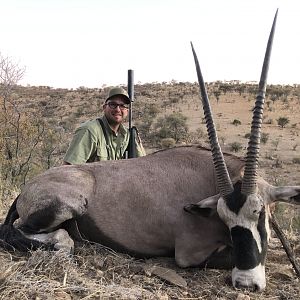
82, 147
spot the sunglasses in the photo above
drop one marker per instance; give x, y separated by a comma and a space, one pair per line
114, 105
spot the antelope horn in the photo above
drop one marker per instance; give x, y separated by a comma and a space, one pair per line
223, 180
251, 165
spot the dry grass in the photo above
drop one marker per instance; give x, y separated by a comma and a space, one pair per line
95, 272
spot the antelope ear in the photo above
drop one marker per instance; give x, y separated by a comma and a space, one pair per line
205, 208
288, 194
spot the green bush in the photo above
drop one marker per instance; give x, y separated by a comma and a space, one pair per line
296, 160
167, 143
236, 122
282, 121
236, 147
172, 126
264, 137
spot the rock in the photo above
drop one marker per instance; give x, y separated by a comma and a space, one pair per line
62, 295
241, 296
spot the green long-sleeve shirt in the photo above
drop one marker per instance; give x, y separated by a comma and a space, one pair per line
89, 145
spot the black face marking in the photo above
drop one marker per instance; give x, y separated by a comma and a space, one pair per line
196, 210
41, 219
245, 251
236, 199
297, 197
261, 227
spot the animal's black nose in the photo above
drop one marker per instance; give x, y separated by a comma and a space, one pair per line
253, 287
238, 285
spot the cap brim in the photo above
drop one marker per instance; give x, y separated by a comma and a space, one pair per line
125, 98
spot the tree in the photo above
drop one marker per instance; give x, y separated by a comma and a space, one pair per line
21, 131
49, 148
173, 126
144, 116
10, 74
217, 95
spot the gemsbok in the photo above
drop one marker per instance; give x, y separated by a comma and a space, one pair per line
204, 207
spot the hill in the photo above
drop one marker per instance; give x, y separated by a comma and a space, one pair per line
43, 119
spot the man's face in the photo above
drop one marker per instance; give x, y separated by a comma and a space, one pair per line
115, 110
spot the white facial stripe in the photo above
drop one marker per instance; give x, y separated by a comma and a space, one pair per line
245, 218
249, 278
267, 224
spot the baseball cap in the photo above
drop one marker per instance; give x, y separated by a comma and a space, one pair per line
118, 91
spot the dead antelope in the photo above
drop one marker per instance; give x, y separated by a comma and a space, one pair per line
206, 210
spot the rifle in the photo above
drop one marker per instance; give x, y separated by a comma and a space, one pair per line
132, 129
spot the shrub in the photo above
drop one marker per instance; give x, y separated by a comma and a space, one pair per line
236, 122
282, 121
236, 147
167, 143
222, 139
196, 136
278, 163
275, 144
173, 126
79, 112
269, 121
296, 160
264, 137
270, 155
247, 135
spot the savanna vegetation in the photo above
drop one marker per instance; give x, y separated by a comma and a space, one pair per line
36, 126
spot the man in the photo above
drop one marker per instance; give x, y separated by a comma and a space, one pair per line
105, 138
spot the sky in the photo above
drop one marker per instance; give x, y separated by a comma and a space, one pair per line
91, 43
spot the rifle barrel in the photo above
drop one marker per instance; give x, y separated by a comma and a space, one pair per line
130, 87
